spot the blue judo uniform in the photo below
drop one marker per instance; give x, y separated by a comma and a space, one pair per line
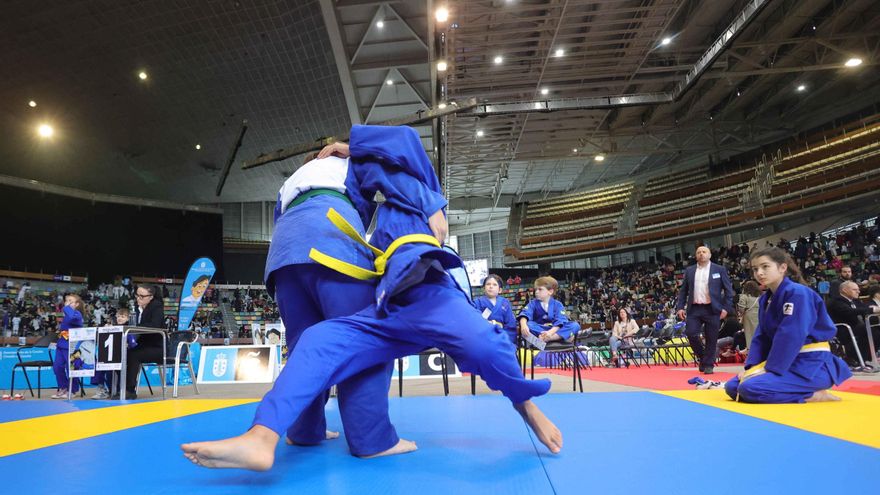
500, 314
789, 358
541, 321
308, 293
61, 364
417, 305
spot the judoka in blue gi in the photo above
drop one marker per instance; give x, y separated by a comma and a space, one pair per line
417, 305
790, 358
544, 316
308, 293
495, 308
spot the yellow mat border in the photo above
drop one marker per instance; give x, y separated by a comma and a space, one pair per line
852, 419
45, 431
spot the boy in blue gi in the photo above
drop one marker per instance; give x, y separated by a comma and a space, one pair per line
308, 293
495, 308
544, 316
417, 304
790, 358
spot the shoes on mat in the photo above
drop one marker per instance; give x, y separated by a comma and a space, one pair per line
708, 370
101, 395
59, 395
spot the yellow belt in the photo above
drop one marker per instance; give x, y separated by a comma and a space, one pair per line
382, 257
758, 369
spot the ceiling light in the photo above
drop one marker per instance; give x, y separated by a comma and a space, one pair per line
801, 88
538, 105
32, 103
853, 62
574, 150
441, 66
480, 133
198, 146
389, 82
665, 41
499, 59
441, 106
560, 52
442, 14
142, 75
545, 91
45, 130
380, 24
600, 158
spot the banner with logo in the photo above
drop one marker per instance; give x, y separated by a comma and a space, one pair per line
82, 352
194, 286
237, 364
426, 366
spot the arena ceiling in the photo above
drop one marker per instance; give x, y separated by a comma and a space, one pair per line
726, 81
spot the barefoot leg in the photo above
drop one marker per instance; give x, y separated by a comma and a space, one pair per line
254, 450
822, 396
328, 435
402, 447
544, 429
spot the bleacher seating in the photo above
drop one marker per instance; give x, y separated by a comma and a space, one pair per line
836, 166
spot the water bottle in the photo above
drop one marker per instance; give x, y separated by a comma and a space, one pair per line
226, 341
22, 341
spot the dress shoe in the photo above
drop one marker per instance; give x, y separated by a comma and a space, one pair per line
708, 370
701, 368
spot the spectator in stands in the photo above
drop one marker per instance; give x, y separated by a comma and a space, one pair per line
73, 318
623, 331
874, 293
150, 313
509, 281
708, 294
846, 274
517, 280
731, 338
846, 308
495, 308
16, 324
544, 316
747, 309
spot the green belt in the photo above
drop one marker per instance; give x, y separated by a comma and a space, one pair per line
311, 193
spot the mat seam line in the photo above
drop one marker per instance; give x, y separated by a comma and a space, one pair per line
540, 459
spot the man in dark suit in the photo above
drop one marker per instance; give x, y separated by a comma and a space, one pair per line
846, 275
708, 295
150, 313
845, 307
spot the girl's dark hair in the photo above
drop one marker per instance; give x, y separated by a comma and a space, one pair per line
496, 278
628, 316
779, 257
751, 288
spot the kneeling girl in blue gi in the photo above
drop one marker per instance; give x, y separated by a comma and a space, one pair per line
544, 316
495, 308
790, 358
417, 305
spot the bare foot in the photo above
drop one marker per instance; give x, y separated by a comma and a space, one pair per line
328, 435
822, 396
255, 450
402, 447
546, 431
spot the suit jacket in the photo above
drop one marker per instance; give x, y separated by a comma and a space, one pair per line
719, 282
152, 317
842, 310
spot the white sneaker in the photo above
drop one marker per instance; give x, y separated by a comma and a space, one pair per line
102, 394
59, 395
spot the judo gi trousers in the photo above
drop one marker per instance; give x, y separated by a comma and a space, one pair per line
770, 388
308, 294
565, 331
434, 313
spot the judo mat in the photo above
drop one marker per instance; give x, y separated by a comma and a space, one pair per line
614, 442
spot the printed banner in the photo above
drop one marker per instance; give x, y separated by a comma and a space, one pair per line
237, 364
82, 351
426, 366
194, 286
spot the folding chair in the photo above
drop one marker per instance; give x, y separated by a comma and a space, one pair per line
443, 370
563, 353
43, 342
180, 343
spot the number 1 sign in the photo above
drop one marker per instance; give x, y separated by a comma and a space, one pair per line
109, 349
